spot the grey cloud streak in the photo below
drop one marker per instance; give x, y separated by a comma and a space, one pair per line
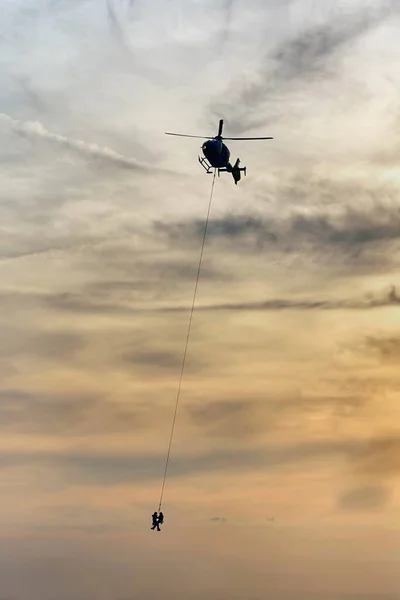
35, 129
390, 299
80, 303
387, 348
300, 58
364, 498
308, 52
68, 415
379, 458
113, 469
351, 228
243, 419
336, 236
56, 345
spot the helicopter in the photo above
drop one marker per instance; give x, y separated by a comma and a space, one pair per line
217, 154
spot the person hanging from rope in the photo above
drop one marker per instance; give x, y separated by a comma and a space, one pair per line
160, 518
154, 518
157, 520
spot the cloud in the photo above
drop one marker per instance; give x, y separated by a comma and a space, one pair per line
234, 228
136, 287
228, 419
344, 228
307, 53
228, 8
379, 458
351, 229
387, 348
29, 413
35, 99
306, 56
56, 345
35, 129
115, 26
120, 17
162, 271
64, 414
162, 361
34, 247
366, 303
96, 468
364, 498
81, 303
84, 518
249, 419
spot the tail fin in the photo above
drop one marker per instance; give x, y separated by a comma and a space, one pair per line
236, 171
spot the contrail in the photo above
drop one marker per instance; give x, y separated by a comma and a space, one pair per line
36, 129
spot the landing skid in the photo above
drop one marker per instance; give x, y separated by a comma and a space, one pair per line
206, 165
209, 169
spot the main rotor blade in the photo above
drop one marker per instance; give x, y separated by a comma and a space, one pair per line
248, 138
221, 124
203, 137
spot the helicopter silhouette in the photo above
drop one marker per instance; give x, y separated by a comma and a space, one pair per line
217, 154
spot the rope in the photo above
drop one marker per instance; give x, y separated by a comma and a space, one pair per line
187, 343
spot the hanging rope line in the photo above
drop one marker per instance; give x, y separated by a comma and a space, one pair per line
187, 343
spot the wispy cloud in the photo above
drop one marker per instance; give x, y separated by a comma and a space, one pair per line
364, 498
115, 26
228, 8
35, 129
81, 303
308, 52
246, 419
387, 348
57, 345
78, 303
368, 303
306, 56
67, 415
103, 468
379, 458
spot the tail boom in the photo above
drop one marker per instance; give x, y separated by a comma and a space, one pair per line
235, 170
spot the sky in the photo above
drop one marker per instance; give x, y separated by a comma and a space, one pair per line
284, 474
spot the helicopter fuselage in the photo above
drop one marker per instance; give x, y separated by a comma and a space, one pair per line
216, 153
